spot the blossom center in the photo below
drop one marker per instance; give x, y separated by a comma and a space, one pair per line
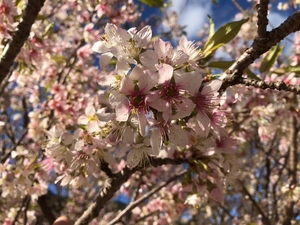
137, 101
4, 9
170, 92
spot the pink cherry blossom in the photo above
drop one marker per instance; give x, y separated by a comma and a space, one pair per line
90, 120
172, 95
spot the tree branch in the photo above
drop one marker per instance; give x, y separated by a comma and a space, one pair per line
116, 181
293, 161
265, 219
47, 212
262, 22
2, 160
132, 205
279, 86
13, 48
105, 195
260, 45
25, 203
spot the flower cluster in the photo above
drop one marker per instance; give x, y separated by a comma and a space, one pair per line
158, 106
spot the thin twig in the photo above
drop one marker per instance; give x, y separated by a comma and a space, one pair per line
279, 86
13, 48
265, 219
24, 202
15, 146
233, 75
262, 20
25, 210
146, 216
116, 182
134, 204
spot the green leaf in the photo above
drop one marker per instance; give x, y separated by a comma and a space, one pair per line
222, 36
58, 58
153, 3
252, 75
288, 69
224, 65
48, 29
271, 58
41, 17
214, 1
211, 26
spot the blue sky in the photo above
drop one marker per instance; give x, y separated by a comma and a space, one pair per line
193, 13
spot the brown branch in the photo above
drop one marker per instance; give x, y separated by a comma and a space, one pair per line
239, 7
293, 161
265, 219
116, 181
47, 212
13, 48
26, 209
25, 203
146, 216
105, 195
15, 146
260, 45
132, 205
262, 20
279, 86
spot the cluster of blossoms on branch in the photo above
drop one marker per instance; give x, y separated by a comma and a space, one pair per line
159, 104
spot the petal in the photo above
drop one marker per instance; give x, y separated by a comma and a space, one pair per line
128, 136
149, 59
146, 83
90, 110
217, 194
106, 116
134, 157
165, 73
136, 73
105, 59
122, 112
123, 150
111, 31
122, 67
67, 138
183, 42
142, 123
156, 141
124, 35
120, 103
143, 37
100, 47
79, 145
204, 123
14, 154
83, 120
109, 158
126, 86
179, 57
185, 108
192, 80
92, 126
160, 104
178, 136
162, 48
213, 86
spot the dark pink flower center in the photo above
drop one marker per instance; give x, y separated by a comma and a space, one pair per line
170, 92
204, 102
4, 9
137, 101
